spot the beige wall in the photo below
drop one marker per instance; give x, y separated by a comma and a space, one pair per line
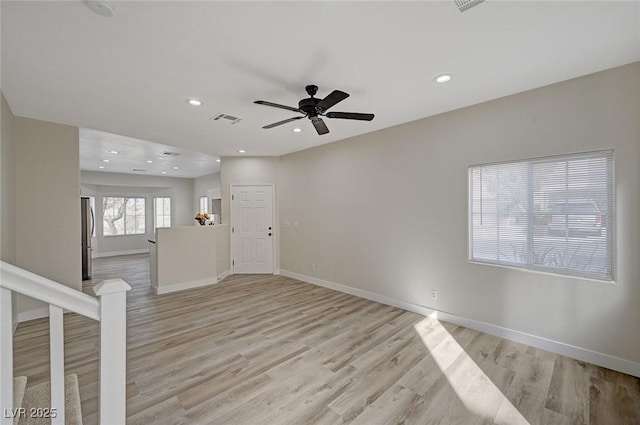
7, 169
7, 192
100, 184
201, 187
386, 212
47, 180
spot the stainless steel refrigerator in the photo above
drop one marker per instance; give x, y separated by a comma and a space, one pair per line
87, 223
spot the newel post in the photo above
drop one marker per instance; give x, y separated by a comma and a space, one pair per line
113, 350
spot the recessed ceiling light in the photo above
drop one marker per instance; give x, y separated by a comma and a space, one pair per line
114, 152
101, 7
218, 160
105, 160
442, 78
164, 172
100, 166
194, 102
148, 161
175, 168
297, 130
242, 151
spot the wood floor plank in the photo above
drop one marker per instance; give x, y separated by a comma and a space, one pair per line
569, 389
257, 349
528, 391
611, 404
390, 408
224, 402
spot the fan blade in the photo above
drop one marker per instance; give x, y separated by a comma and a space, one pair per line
350, 116
275, 105
275, 124
320, 126
333, 98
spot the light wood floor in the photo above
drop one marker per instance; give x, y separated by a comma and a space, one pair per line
272, 350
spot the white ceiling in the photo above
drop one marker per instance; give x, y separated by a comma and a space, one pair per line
112, 153
131, 74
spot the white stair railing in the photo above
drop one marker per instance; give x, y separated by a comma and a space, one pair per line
109, 309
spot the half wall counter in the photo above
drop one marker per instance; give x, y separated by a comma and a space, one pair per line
186, 257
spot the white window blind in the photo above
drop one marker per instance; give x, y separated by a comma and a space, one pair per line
551, 214
162, 212
204, 206
123, 216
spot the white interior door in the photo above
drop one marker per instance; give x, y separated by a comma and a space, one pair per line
252, 229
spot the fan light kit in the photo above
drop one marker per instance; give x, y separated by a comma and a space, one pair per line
442, 78
194, 102
314, 108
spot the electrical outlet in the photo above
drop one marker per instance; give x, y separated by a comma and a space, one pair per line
295, 225
313, 267
434, 294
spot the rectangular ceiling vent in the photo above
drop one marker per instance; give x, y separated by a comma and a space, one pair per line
463, 5
224, 117
168, 153
139, 170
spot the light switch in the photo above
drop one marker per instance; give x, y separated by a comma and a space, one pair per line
285, 224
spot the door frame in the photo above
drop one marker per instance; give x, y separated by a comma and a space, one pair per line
275, 256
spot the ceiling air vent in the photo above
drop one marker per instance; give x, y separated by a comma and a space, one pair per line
139, 170
168, 153
463, 5
224, 117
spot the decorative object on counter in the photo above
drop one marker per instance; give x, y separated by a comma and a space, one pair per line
202, 218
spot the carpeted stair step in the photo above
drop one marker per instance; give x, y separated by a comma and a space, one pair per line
19, 385
39, 396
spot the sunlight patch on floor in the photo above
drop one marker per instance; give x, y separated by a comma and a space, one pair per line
471, 385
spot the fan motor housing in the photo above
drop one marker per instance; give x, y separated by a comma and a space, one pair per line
308, 106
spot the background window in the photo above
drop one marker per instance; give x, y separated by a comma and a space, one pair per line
553, 214
204, 205
123, 216
162, 212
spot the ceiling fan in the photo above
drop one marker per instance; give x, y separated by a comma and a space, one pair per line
314, 108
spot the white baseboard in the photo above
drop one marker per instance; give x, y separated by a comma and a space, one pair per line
181, 286
118, 253
224, 275
604, 360
38, 313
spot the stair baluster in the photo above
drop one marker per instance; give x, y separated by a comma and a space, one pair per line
56, 352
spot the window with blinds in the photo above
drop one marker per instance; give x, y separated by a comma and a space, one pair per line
162, 212
550, 214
